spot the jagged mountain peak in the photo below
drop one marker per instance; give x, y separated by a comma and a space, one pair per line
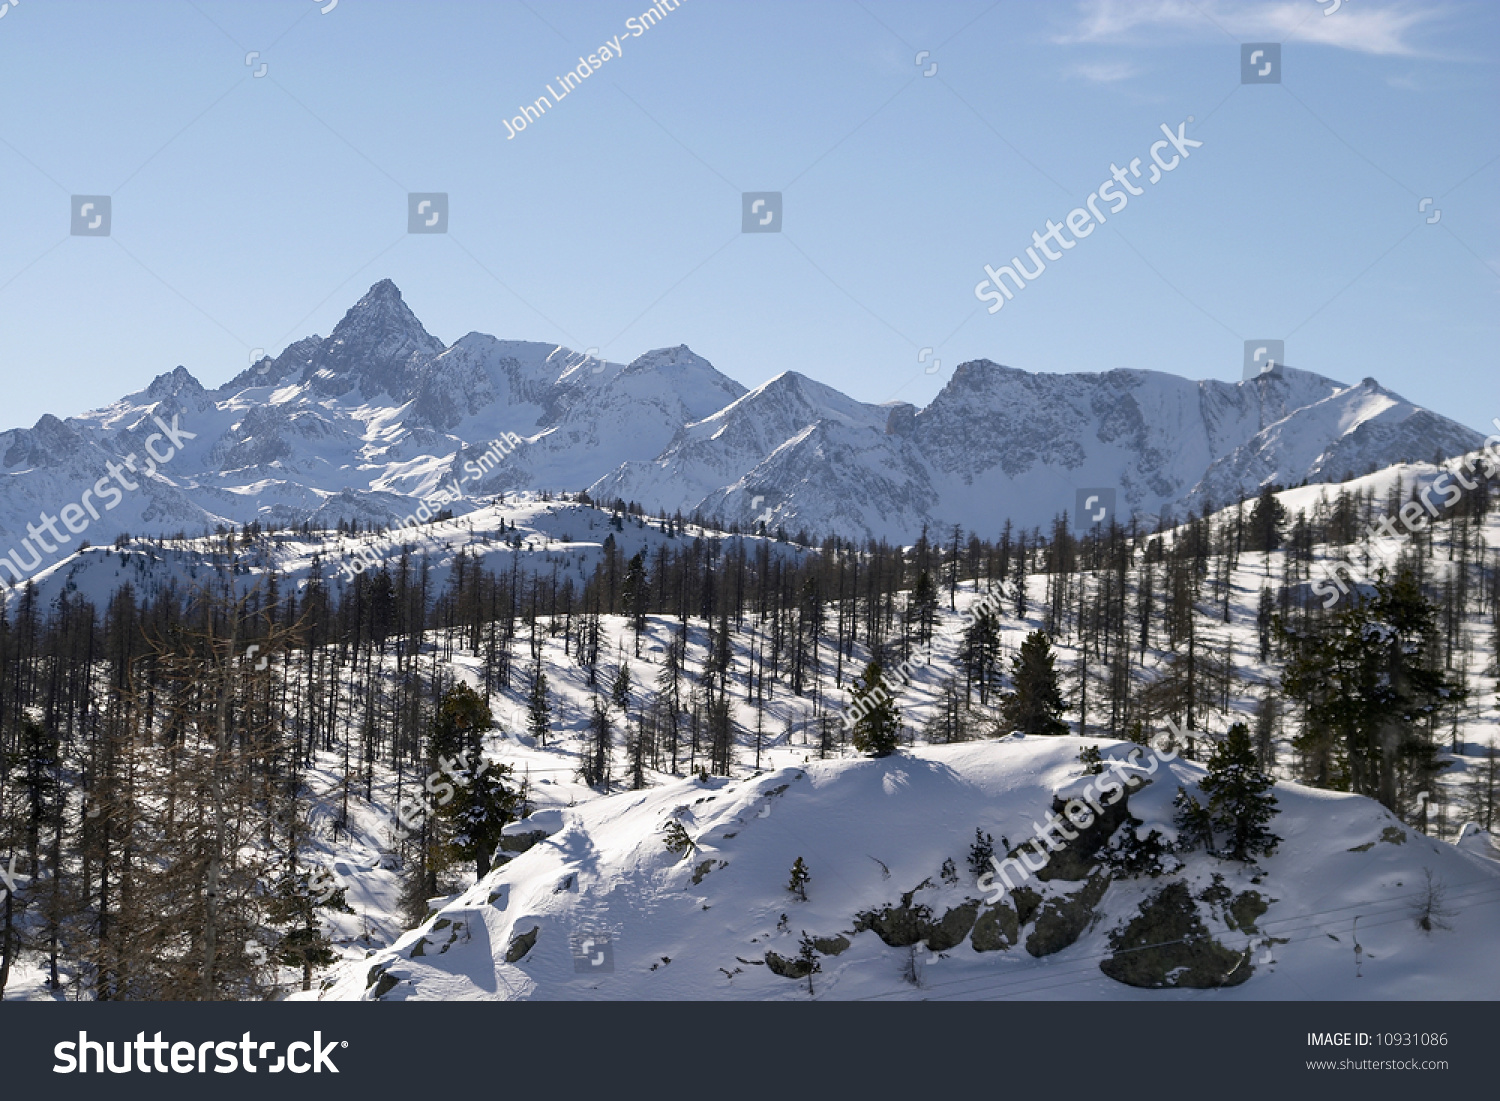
805, 391
679, 356
385, 290
271, 371
381, 312
376, 347
178, 383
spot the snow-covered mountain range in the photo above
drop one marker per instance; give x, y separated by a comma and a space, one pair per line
361, 424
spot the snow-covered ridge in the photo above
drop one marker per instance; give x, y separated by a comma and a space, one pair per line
891, 921
344, 427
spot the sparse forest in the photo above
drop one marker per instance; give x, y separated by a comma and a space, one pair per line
155, 801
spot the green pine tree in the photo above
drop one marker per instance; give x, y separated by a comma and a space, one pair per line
807, 956
538, 709
800, 879
471, 819
1267, 521
635, 596
1195, 825
922, 610
878, 731
482, 807
459, 726
675, 836
980, 651
619, 692
1034, 705
1239, 796
596, 756
981, 852
1372, 686
296, 903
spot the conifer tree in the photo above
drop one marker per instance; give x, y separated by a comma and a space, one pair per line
296, 903
981, 852
597, 756
28, 802
619, 692
478, 814
800, 879
1240, 802
477, 804
634, 594
458, 728
922, 610
1267, 519
1034, 705
538, 709
807, 956
980, 651
1371, 685
676, 838
878, 731
1194, 822
1483, 794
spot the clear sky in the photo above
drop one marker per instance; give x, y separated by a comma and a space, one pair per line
251, 210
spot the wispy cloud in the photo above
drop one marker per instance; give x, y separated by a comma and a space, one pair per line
1104, 72
1385, 29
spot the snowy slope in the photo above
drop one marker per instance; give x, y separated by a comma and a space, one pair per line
795, 447
540, 535
874, 834
1350, 432
567, 535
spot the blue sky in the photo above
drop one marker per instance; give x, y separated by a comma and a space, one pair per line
249, 211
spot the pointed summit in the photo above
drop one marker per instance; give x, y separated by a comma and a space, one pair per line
375, 347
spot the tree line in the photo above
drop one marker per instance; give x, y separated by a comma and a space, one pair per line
154, 792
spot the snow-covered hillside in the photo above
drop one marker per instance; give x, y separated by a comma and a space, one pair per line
840, 816
534, 535
601, 909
